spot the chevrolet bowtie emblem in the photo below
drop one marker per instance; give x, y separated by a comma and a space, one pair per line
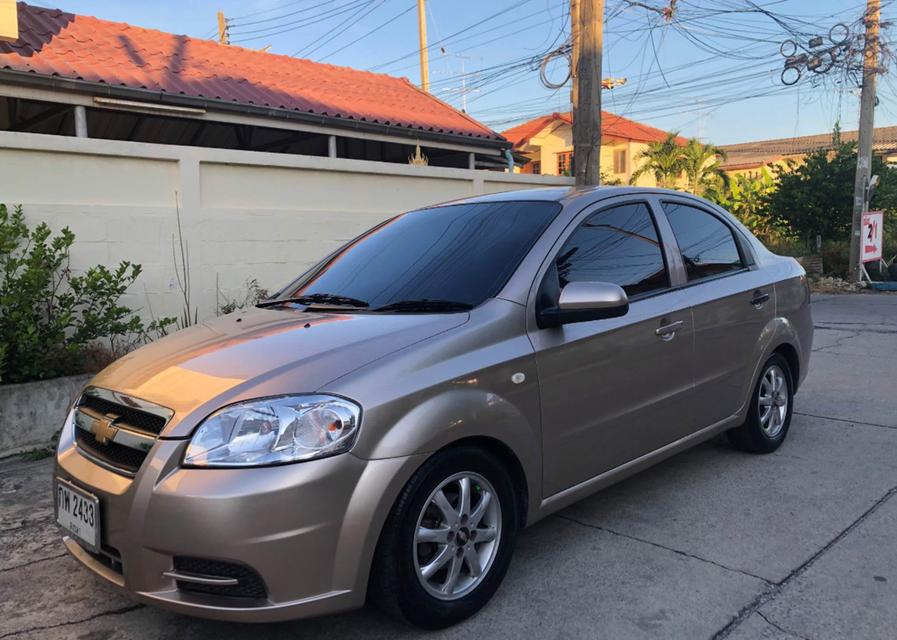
104, 428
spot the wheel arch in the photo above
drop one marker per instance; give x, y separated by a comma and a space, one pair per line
789, 352
402, 472
511, 463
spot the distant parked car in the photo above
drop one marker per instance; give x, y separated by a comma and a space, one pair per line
384, 426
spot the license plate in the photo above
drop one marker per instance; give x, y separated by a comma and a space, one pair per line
78, 512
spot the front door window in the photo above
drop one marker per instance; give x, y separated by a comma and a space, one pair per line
619, 245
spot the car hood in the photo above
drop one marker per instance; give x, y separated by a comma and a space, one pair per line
260, 352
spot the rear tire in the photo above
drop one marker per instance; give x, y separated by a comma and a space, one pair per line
769, 416
478, 537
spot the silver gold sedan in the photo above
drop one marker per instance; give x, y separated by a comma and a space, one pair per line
383, 427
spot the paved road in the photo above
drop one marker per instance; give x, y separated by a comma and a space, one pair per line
710, 544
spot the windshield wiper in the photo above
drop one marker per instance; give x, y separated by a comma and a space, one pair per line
329, 299
425, 305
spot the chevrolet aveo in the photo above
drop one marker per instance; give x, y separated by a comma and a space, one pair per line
383, 427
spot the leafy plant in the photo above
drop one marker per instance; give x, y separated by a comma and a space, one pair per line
663, 159
50, 317
746, 198
816, 195
701, 164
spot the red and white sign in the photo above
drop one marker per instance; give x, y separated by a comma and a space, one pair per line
870, 238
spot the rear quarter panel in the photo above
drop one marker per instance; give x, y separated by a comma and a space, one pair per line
793, 306
791, 323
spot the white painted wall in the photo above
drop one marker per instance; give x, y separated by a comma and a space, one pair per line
244, 214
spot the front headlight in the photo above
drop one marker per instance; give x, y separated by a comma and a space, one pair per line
275, 431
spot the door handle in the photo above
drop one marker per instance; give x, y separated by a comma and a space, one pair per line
668, 331
760, 297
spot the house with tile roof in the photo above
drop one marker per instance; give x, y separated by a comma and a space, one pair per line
76, 75
749, 157
256, 165
547, 144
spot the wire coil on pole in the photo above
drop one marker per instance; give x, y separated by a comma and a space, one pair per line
565, 51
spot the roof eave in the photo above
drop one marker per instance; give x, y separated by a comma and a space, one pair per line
70, 85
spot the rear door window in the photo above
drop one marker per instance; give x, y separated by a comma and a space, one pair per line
706, 243
619, 245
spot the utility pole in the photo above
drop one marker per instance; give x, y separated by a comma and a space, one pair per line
867, 131
587, 20
223, 35
574, 55
424, 55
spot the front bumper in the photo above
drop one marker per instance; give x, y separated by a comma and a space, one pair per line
309, 530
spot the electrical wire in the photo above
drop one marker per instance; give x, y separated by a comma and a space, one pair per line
366, 9
371, 32
268, 32
502, 11
238, 20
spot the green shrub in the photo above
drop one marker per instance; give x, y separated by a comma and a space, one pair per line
815, 196
746, 198
51, 320
790, 246
836, 258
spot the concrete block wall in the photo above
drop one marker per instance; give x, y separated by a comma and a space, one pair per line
31, 413
243, 214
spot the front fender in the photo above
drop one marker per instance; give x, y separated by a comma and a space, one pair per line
427, 426
457, 414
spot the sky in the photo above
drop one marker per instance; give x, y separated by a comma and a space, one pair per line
713, 71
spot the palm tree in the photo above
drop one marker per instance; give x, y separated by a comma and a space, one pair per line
663, 159
701, 163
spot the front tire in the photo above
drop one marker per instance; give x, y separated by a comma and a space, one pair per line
448, 540
769, 416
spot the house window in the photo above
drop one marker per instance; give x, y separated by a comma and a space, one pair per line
565, 163
537, 167
620, 161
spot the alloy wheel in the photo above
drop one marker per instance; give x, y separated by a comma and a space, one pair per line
457, 536
772, 398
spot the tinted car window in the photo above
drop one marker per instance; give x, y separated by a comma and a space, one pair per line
707, 245
462, 253
618, 245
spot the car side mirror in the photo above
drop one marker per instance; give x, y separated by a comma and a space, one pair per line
584, 301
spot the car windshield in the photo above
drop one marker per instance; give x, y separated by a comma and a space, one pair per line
440, 259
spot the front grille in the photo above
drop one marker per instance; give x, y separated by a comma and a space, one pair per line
117, 430
129, 416
111, 453
250, 583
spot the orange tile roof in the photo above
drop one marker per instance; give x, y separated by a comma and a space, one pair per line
520, 134
54, 43
612, 126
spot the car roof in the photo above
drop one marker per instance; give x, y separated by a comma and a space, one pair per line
567, 195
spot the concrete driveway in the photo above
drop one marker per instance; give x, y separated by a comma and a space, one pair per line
710, 544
